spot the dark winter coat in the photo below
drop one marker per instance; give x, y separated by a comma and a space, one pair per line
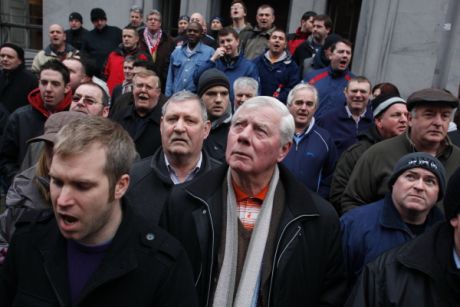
144, 266
308, 263
151, 184
15, 86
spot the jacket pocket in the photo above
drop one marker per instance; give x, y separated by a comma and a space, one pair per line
24, 299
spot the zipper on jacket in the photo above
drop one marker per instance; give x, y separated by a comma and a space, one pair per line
212, 245
287, 245
276, 261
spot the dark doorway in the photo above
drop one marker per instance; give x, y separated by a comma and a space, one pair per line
281, 11
345, 17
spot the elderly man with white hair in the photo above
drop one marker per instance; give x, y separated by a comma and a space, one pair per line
254, 234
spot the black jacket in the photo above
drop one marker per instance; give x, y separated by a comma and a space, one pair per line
99, 43
150, 184
420, 273
15, 85
144, 266
76, 37
308, 265
147, 137
347, 162
216, 142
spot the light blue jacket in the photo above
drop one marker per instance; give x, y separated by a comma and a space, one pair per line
182, 67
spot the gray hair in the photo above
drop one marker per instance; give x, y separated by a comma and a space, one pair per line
137, 9
302, 86
182, 96
155, 12
246, 82
287, 126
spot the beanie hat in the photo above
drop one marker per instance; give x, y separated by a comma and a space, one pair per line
97, 14
212, 77
217, 18
430, 96
77, 16
452, 197
383, 102
330, 40
184, 17
16, 48
55, 122
420, 160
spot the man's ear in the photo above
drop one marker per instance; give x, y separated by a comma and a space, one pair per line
121, 186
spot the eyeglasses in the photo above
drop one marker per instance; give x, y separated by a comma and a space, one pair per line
86, 100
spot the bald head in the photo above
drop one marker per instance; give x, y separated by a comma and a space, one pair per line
57, 37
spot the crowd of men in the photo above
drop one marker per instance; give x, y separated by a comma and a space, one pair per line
230, 165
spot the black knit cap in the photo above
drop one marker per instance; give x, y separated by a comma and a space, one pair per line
383, 102
97, 14
452, 197
420, 160
431, 96
212, 77
77, 16
16, 48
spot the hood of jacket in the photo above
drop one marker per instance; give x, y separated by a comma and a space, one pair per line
36, 101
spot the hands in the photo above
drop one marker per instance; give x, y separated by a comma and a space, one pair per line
220, 52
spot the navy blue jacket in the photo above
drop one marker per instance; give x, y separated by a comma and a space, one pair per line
369, 231
343, 128
312, 159
282, 75
330, 85
233, 69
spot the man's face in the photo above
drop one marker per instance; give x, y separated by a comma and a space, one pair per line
216, 25
242, 94
9, 59
340, 57
306, 26
130, 38
357, 95
99, 23
88, 99
56, 35
302, 108
80, 196
254, 142
135, 18
415, 191
77, 73
74, 24
319, 30
183, 129
128, 70
146, 94
194, 32
197, 17
153, 23
277, 43
265, 19
393, 121
237, 11
52, 88
430, 124
182, 25
216, 101
230, 43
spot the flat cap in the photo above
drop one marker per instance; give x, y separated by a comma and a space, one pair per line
429, 96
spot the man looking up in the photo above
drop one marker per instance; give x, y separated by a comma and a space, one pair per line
252, 231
